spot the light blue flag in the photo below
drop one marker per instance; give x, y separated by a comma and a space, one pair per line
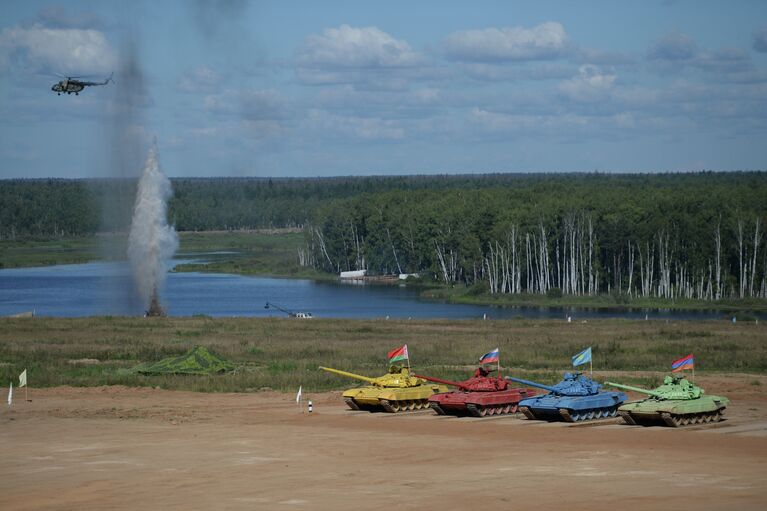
582, 357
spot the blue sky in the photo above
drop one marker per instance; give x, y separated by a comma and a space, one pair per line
236, 88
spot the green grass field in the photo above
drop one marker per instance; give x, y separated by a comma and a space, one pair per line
284, 353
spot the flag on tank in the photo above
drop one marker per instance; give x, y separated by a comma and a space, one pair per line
491, 357
683, 363
582, 357
398, 354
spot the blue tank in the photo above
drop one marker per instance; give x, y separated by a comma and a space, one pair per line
575, 398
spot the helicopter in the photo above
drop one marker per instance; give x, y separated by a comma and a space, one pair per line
71, 84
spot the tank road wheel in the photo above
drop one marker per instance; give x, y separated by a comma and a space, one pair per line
506, 410
482, 411
390, 406
717, 416
614, 411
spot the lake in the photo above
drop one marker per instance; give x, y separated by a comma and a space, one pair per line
105, 288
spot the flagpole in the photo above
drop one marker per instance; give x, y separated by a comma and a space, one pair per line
591, 368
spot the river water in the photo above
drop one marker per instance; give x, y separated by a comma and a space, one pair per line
105, 288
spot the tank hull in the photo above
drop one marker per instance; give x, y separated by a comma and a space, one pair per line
553, 407
392, 400
675, 412
478, 404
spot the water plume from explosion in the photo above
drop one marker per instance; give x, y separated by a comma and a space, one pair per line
151, 242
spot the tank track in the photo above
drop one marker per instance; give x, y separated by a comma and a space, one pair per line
588, 415
408, 405
482, 411
351, 404
676, 421
438, 409
525, 410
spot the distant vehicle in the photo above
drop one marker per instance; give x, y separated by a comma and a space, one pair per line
292, 314
71, 84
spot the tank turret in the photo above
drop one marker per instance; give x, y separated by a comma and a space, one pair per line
397, 377
573, 384
677, 402
479, 395
481, 381
674, 387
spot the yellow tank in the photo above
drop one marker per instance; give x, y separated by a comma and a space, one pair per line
393, 392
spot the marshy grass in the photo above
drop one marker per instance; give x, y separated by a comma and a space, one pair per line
282, 353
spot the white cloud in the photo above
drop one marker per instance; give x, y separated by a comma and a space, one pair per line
545, 41
250, 104
201, 79
64, 50
365, 128
350, 47
676, 51
590, 85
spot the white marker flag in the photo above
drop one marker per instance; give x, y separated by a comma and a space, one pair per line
10, 394
23, 379
298, 394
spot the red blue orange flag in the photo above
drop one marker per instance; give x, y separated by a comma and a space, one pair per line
683, 363
491, 357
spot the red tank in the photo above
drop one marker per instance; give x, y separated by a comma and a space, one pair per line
480, 395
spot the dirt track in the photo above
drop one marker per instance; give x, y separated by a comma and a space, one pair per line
120, 448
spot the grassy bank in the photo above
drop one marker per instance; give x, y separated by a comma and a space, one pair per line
283, 353
35, 252
268, 252
272, 253
477, 296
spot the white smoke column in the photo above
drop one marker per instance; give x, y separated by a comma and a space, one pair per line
152, 242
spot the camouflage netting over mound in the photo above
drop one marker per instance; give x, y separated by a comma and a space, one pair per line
198, 360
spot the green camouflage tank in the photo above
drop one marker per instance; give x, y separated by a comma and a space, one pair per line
676, 403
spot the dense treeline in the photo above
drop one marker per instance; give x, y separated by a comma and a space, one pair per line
689, 235
670, 235
65, 207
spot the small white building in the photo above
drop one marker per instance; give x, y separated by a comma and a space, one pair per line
356, 274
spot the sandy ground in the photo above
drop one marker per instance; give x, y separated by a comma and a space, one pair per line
120, 448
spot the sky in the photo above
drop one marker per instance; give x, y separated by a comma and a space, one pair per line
296, 89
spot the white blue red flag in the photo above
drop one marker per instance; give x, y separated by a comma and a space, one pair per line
491, 357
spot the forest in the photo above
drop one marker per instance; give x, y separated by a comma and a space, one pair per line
687, 235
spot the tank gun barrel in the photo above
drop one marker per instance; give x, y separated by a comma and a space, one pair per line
440, 380
349, 375
533, 384
635, 389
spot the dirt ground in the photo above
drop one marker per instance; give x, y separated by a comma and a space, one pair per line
127, 448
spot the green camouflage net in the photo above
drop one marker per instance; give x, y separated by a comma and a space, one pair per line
198, 360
